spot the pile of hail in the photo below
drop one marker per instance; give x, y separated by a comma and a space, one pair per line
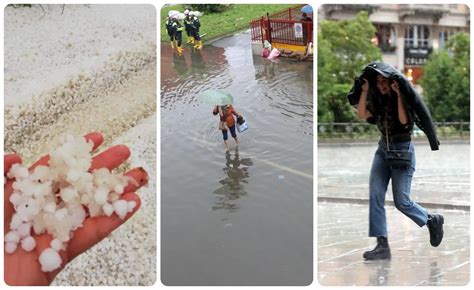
56, 199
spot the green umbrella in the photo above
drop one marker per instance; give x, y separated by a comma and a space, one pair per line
216, 97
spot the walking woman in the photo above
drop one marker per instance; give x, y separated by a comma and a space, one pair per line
227, 121
386, 98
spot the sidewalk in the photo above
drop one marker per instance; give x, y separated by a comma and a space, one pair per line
441, 184
342, 239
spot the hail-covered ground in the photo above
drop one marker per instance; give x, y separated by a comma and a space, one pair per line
82, 68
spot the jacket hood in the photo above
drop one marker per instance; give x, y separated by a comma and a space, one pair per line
372, 69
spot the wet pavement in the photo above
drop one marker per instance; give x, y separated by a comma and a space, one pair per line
343, 220
441, 178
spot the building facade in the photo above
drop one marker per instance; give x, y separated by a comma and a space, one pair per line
407, 33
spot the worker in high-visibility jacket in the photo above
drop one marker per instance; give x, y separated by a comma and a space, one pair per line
178, 33
170, 31
187, 27
195, 25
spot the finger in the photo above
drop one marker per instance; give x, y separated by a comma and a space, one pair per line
97, 228
8, 161
111, 158
95, 137
7, 206
140, 176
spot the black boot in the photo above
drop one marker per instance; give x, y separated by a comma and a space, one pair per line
380, 252
435, 226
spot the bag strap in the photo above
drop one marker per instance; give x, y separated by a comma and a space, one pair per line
386, 130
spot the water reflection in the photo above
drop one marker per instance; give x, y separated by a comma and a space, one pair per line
197, 61
264, 69
232, 187
436, 274
179, 64
379, 277
267, 70
381, 270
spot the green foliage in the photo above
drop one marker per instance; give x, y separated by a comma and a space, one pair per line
210, 8
344, 48
445, 80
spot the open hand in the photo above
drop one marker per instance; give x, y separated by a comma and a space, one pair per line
395, 88
365, 85
23, 268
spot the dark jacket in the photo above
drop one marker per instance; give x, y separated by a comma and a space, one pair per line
187, 23
169, 27
195, 24
416, 107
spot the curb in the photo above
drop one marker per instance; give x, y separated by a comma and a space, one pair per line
365, 201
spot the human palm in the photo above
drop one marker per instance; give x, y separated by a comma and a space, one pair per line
23, 268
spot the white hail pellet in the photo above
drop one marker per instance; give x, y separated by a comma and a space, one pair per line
28, 243
50, 207
108, 209
16, 221
24, 230
121, 208
49, 260
61, 214
18, 171
12, 237
119, 188
38, 228
131, 205
15, 198
68, 194
100, 195
10, 247
114, 196
74, 175
56, 245
41, 172
78, 215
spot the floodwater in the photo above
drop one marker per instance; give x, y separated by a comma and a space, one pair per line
242, 217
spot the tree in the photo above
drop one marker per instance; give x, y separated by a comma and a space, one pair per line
445, 80
344, 48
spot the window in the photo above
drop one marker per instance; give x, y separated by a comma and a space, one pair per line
417, 36
386, 37
444, 35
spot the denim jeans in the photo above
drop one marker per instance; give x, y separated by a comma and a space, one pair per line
380, 175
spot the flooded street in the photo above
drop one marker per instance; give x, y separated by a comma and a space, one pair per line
242, 217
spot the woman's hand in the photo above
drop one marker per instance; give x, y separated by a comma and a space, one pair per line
362, 112
23, 268
395, 88
365, 85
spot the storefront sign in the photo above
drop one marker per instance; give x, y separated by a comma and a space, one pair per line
417, 55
